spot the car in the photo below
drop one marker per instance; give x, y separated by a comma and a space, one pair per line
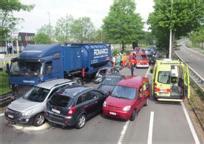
104, 71
72, 107
127, 98
170, 80
109, 82
29, 109
151, 59
141, 60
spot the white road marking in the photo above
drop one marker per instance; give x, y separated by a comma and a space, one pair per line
150, 133
148, 71
31, 128
122, 134
1, 114
190, 124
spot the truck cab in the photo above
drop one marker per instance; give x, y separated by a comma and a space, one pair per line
171, 81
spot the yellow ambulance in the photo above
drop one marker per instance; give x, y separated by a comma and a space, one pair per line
170, 80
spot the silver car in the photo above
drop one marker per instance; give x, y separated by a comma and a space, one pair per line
30, 107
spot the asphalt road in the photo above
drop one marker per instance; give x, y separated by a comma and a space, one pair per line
157, 123
192, 58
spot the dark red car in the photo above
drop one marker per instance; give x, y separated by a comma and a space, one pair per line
127, 98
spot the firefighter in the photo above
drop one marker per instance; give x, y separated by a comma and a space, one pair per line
132, 63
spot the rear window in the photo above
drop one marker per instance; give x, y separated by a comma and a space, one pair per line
111, 80
164, 77
59, 100
141, 57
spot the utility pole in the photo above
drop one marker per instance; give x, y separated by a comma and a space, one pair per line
170, 33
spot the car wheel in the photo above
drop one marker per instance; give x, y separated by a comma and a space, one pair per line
39, 119
146, 103
81, 121
133, 116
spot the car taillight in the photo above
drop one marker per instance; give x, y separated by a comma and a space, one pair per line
71, 111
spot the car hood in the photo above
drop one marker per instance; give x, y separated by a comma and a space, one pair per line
106, 88
22, 105
118, 102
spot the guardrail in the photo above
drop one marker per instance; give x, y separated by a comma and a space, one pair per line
198, 82
197, 78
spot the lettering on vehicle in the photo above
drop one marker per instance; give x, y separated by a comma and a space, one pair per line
28, 81
100, 53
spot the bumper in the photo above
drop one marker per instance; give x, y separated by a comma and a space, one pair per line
169, 98
17, 119
119, 114
59, 119
142, 65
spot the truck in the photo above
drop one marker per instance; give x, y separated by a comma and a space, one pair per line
39, 63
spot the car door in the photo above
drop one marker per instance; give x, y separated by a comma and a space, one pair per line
140, 98
99, 99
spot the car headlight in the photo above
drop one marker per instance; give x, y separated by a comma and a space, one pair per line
126, 108
27, 113
104, 104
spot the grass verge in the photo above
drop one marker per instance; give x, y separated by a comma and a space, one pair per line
4, 83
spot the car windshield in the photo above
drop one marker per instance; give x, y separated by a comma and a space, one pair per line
111, 81
124, 92
141, 57
60, 100
164, 77
25, 68
36, 94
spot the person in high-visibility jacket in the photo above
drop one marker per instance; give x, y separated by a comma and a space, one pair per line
124, 59
132, 60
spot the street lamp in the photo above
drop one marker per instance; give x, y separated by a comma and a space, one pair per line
170, 33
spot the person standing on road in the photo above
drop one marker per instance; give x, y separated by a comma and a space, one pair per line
132, 63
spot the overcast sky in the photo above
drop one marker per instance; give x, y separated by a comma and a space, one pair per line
95, 9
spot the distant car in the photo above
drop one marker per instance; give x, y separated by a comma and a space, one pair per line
74, 106
142, 61
127, 98
30, 107
151, 59
104, 71
109, 82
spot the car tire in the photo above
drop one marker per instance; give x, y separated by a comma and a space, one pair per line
78, 80
146, 103
39, 119
133, 116
81, 121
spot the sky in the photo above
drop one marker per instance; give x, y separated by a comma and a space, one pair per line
54, 9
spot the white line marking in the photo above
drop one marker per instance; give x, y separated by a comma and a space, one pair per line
150, 133
122, 134
1, 114
148, 71
190, 124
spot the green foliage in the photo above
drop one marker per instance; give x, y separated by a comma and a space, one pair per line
63, 29
182, 17
198, 36
4, 83
82, 29
115, 52
42, 38
7, 21
122, 25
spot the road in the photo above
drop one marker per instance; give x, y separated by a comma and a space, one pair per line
157, 123
192, 58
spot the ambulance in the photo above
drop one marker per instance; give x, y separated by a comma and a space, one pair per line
170, 80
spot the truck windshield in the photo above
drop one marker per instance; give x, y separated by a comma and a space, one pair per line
124, 92
25, 68
36, 94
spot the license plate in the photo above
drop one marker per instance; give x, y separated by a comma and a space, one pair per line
56, 111
10, 116
112, 113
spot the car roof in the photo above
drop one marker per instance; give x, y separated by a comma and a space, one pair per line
134, 82
74, 91
51, 83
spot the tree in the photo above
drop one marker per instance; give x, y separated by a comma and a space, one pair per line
122, 25
182, 17
198, 36
7, 20
83, 30
63, 29
42, 38
48, 30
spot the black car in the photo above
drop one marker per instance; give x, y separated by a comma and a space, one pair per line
74, 106
109, 82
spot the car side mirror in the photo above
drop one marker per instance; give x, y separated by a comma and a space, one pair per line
7, 68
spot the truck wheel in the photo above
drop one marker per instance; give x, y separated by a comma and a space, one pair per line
78, 80
133, 116
81, 121
39, 119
